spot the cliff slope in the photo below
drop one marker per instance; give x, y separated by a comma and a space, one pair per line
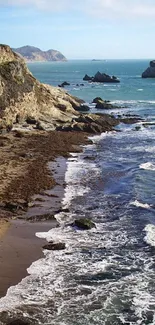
25, 102
22, 96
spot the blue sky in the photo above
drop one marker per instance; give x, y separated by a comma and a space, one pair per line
81, 29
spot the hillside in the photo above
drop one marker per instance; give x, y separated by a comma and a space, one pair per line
31, 53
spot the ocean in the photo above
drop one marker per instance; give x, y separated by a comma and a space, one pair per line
105, 275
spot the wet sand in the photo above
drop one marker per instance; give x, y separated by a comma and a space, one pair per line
28, 177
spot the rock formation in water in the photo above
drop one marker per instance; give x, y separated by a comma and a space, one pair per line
25, 101
32, 54
150, 71
101, 77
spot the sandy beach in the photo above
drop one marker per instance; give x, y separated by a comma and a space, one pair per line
30, 188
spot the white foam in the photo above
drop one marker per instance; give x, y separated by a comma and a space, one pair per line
140, 205
150, 234
147, 166
97, 138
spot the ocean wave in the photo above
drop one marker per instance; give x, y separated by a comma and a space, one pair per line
133, 102
97, 138
150, 234
140, 204
147, 166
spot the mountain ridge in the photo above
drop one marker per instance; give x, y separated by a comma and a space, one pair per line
35, 54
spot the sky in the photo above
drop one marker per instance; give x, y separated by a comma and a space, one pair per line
81, 29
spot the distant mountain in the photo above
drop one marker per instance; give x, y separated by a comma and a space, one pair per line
31, 53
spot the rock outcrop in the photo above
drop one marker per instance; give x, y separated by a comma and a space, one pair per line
150, 71
33, 54
101, 77
22, 96
103, 104
25, 101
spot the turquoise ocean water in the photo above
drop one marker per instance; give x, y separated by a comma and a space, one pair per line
106, 275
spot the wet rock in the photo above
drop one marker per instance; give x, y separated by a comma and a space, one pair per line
101, 104
18, 322
137, 128
65, 83
96, 99
54, 246
43, 217
66, 210
15, 206
84, 224
130, 120
83, 108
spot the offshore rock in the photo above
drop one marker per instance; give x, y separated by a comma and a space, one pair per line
87, 78
102, 77
103, 104
65, 83
149, 72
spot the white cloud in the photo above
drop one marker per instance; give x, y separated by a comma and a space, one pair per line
123, 8
103, 8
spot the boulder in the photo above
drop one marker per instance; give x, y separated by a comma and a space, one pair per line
150, 71
103, 104
96, 99
83, 108
83, 224
54, 246
42, 217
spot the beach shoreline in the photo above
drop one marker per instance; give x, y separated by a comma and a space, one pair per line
19, 246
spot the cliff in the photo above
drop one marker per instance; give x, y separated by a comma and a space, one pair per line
150, 71
32, 54
22, 96
25, 102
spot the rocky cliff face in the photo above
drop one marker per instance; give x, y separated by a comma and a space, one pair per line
31, 53
22, 96
25, 102
149, 72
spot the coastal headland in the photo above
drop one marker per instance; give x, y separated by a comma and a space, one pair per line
38, 124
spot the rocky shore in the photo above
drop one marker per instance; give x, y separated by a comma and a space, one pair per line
38, 123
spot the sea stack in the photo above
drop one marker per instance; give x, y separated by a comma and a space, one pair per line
150, 71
